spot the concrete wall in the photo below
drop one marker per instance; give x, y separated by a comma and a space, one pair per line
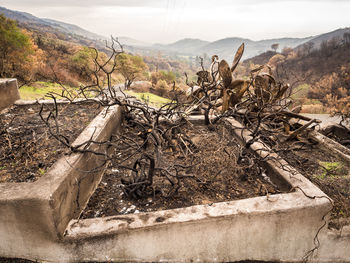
8, 92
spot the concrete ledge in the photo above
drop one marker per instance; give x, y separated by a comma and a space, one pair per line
8, 92
36, 214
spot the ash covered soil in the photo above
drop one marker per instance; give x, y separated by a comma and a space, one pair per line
329, 173
210, 174
27, 149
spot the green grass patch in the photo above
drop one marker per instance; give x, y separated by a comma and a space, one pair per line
39, 90
301, 91
150, 98
332, 169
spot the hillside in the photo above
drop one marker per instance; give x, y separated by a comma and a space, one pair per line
48, 25
337, 34
59, 30
70, 29
184, 46
319, 78
226, 47
260, 59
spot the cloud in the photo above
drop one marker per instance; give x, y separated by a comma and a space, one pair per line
149, 3
83, 3
171, 20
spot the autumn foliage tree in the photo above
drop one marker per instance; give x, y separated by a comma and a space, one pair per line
17, 51
275, 46
82, 63
130, 67
167, 76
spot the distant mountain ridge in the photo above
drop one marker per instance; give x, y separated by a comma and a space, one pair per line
33, 21
73, 31
70, 28
224, 48
186, 45
338, 34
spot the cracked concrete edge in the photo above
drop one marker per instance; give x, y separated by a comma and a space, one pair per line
279, 203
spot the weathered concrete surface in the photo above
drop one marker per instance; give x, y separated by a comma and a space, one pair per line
281, 227
334, 246
33, 216
8, 92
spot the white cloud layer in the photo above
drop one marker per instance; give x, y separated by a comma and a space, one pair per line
170, 20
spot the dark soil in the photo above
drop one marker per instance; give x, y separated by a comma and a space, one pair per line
211, 175
338, 133
27, 150
14, 260
328, 173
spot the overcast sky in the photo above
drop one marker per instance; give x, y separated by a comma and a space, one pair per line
167, 21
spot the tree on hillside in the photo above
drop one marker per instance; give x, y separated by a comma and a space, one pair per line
275, 60
286, 51
307, 47
327, 47
131, 67
275, 46
16, 49
82, 63
346, 38
168, 76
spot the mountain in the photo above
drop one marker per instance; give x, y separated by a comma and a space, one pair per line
33, 22
70, 29
133, 42
260, 59
226, 48
184, 46
338, 34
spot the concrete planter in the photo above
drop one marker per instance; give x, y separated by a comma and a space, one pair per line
8, 92
282, 227
35, 214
